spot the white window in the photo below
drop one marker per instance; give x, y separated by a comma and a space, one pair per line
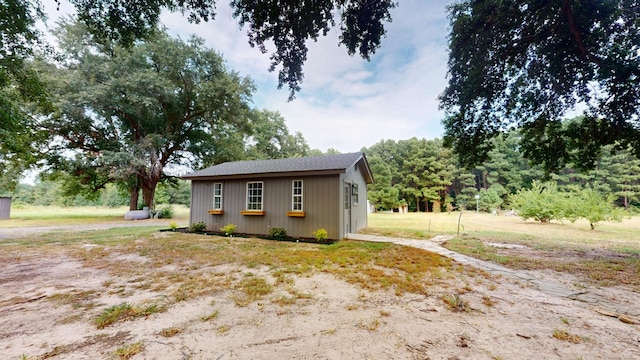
217, 196
296, 195
354, 193
254, 195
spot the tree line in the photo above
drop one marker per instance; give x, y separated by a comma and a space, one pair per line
426, 176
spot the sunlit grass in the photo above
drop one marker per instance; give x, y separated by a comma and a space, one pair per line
32, 215
617, 236
559, 246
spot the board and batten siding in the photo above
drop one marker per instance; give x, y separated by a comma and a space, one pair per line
321, 203
354, 175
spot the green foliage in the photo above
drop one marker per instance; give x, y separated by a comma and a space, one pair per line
173, 225
20, 90
112, 314
177, 191
490, 199
177, 98
416, 171
543, 202
527, 63
229, 229
321, 234
589, 204
198, 227
112, 196
270, 138
362, 25
165, 212
382, 193
277, 233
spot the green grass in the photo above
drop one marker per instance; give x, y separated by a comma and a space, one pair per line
32, 215
123, 312
608, 255
624, 235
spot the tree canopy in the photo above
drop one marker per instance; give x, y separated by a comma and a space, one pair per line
527, 64
288, 24
19, 85
126, 114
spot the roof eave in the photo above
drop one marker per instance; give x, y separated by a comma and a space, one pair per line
265, 175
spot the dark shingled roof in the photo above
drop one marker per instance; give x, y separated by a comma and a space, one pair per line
337, 162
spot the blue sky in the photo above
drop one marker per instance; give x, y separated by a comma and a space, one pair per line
346, 103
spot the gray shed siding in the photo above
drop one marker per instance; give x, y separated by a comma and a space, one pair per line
321, 199
358, 214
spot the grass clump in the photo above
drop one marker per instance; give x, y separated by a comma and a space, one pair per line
566, 336
214, 315
123, 312
255, 287
456, 303
128, 351
170, 331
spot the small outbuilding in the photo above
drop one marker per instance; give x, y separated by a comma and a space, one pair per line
300, 195
5, 208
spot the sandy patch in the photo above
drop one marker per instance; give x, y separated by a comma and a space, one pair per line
506, 319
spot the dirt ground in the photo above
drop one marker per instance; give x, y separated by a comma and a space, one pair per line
504, 319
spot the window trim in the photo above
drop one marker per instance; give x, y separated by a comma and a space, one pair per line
293, 195
217, 196
354, 194
247, 196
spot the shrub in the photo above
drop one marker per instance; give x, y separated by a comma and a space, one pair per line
229, 229
165, 212
173, 225
277, 233
320, 234
198, 227
543, 202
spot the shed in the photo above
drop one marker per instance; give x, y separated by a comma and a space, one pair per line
5, 208
300, 195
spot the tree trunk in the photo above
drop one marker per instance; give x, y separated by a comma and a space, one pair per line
133, 198
151, 179
149, 192
626, 202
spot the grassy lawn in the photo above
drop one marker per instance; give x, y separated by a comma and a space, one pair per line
621, 236
608, 255
30, 215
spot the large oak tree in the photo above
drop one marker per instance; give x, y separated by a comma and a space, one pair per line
127, 114
529, 64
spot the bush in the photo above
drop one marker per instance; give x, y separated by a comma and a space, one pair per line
165, 212
545, 203
229, 229
173, 225
320, 234
277, 233
198, 227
